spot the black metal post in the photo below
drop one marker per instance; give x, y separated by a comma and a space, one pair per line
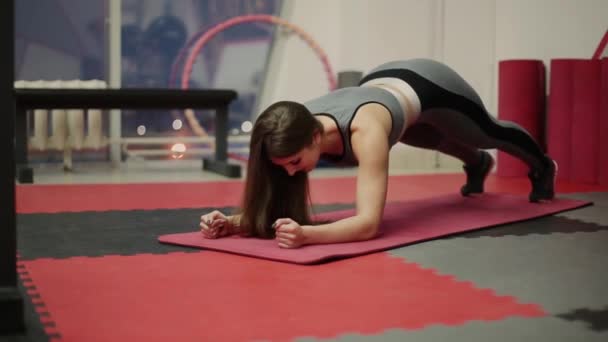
25, 173
11, 302
220, 163
221, 133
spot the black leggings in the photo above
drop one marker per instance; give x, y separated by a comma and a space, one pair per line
453, 119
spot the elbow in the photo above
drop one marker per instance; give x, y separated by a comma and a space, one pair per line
370, 231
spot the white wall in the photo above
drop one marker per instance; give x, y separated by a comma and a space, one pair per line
548, 29
294, 71
471, 36
374, 32
355, 34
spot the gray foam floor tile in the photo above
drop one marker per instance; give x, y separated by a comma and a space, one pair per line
597, 213
561, 271
508, 330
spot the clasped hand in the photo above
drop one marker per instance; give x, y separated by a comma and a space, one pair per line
288, 233
215, 225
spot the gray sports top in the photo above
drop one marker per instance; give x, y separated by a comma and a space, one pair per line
342, 104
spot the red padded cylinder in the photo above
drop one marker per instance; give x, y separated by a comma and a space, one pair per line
559, 114
585, 121
521, 99
603, 125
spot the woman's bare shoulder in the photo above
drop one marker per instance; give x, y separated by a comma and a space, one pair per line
372, 116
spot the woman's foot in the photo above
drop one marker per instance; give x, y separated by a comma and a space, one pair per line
476, 174
543, 182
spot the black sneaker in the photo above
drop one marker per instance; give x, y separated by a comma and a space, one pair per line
543, 183
476, 175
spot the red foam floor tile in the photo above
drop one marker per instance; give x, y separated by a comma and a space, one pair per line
102, 197
220, 297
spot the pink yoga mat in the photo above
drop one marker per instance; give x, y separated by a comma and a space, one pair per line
521, 99
404, 223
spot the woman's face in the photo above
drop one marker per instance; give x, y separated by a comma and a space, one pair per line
305, 160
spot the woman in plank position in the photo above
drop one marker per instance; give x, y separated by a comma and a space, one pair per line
418, 102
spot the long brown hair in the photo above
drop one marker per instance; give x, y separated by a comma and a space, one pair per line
282, 130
